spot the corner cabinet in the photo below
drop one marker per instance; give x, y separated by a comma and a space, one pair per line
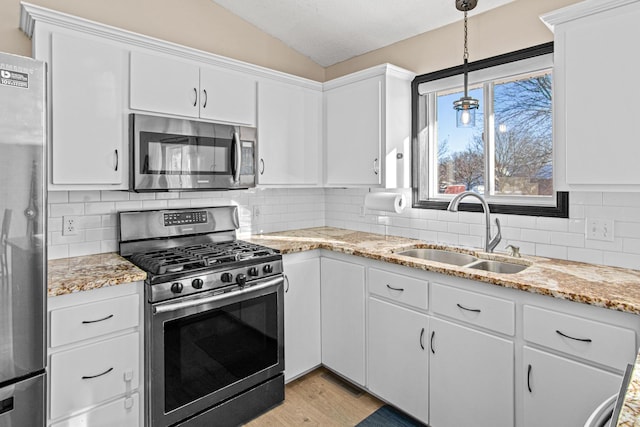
342, 302
367, 118
289, 134
596, 146
301, 314
87, 107
164, 84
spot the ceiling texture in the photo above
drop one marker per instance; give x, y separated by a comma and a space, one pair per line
332, 31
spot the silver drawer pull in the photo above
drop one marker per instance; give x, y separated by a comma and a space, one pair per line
97, 320
573, 338
395, 289
475, 310
88, 377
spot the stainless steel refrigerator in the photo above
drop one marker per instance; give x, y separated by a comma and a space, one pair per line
22, 242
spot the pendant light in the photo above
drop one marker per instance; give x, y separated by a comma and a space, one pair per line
466, 106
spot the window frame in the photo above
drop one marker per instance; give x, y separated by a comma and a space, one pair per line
561, 208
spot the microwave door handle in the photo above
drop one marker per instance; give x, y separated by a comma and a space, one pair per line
238, 156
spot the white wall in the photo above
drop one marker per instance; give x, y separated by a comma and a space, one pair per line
288, 209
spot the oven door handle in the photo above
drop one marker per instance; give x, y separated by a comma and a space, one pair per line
200, 301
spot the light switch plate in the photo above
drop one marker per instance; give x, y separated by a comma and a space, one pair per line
599, 229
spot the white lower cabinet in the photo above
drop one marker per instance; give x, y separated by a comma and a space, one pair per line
471, 377
301, 315
398, 359
562, 392
121, 413
342, 298
96, 367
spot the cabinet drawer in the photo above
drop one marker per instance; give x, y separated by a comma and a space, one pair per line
598, 342
123, 412
85, 321
473, 308
92, 374
399, 288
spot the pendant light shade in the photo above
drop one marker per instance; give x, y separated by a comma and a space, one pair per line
466, 106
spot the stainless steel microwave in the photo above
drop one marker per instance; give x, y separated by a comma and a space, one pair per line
169, 154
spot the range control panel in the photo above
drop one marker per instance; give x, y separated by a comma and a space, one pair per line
185, 218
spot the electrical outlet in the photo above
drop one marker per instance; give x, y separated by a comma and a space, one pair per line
69, 225
599, 229
362, 211
256, 212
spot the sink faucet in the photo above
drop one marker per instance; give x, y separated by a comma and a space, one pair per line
489, 243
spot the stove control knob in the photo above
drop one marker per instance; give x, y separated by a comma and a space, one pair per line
241, 279
226, 277
176, 287
197, 283
253, 271
268, 269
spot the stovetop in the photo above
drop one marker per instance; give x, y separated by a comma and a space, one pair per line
198, 256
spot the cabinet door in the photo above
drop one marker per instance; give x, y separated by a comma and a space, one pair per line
342, 309
164, 85
301, 316
227, 96
471, 378
288, 145
562, 392
123, 412
88, 99
398, 357
588, 160
353, 133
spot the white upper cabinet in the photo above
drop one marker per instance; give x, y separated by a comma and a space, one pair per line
367, 118
595, 127
167, 85
227, 96
88, 131
289, 134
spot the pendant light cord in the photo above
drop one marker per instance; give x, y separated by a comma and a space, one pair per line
465, 57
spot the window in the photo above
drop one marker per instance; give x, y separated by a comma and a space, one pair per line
508, 155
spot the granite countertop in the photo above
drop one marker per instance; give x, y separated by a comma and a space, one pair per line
68, 275
611, 287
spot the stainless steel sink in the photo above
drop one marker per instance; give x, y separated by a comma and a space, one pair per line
438, 255
498, 266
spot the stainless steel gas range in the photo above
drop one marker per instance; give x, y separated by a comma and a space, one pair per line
214, 318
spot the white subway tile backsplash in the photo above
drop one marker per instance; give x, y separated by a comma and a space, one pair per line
84, 196
283, 209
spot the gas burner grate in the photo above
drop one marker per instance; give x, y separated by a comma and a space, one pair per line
190, 257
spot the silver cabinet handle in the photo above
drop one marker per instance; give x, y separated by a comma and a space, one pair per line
89, 377
206, 97
195, 99
286, 279
84, 322
261, 166
375, 166
115, 168
395, 289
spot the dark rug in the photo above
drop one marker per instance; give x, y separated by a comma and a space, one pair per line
388, 416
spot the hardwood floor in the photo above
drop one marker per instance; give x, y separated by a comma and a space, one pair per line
320, 398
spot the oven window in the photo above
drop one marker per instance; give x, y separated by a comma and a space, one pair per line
167, 154
209, 351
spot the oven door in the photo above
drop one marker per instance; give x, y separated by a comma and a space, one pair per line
207, 348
